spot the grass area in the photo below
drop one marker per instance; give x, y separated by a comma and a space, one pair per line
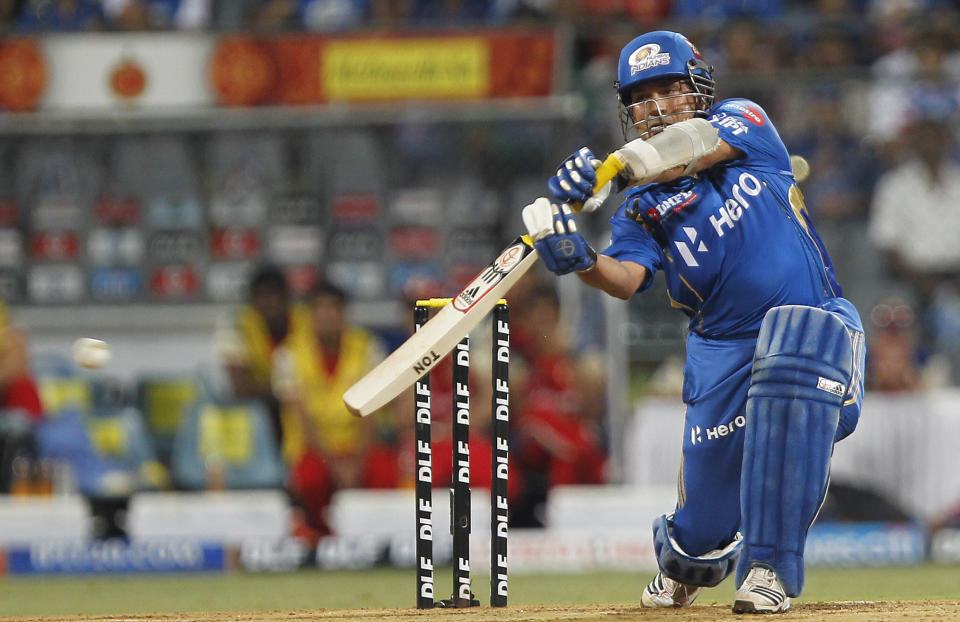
395, 588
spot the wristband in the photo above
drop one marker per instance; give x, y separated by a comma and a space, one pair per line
592, 254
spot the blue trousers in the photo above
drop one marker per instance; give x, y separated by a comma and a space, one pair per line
716, 379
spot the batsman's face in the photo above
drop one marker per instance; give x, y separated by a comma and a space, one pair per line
656, 104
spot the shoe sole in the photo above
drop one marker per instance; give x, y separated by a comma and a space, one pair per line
747, 606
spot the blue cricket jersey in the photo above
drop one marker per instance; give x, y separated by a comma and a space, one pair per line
734, 241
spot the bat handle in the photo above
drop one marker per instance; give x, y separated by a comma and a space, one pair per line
611, 167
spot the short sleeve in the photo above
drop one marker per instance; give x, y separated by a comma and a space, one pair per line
631, 242
743, 124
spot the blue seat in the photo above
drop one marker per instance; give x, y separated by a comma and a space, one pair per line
164, 400
121, 437
226, 445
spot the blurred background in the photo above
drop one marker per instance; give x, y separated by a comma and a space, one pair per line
245, 197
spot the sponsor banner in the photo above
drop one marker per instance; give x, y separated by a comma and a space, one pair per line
11, 248
55, 284
363, 279
115, 556
54, 246
459, 272
291, 244
115, 284
165, 213
408, 68
422, 206
301, 279
414, 242
299, 69
945, 546
295, 209
471, 245
9, 213
176, 247
234, 243
405, 273
115, 70
117, 211
51, 212
228, 282
866, 544
239, 208
174, 282
11, 288
355, 209
275, 555
354, 244
529, 551
122, 246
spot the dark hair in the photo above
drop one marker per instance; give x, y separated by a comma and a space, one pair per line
325, 288
269, 277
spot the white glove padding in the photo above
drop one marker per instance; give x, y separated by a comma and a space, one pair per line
554, 232
538, 219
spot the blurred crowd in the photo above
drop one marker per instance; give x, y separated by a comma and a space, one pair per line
799, 27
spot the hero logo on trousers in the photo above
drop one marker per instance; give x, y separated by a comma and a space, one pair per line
696, 433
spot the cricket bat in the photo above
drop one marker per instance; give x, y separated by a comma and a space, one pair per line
435, 339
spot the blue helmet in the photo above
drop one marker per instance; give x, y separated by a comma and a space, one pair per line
662, 54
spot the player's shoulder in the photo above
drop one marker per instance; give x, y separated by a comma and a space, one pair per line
741, 107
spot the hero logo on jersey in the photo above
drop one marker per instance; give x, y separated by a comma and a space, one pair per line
684, 249
647, 56
502, 265
735, 207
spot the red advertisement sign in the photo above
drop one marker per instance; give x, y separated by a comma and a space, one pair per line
117, 211
9, 213
414, 242
355, 209
234, 243
174, 282
54, 246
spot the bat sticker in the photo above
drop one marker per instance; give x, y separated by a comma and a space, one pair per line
485, 281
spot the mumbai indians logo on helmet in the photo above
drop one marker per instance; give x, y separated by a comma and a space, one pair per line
647, 56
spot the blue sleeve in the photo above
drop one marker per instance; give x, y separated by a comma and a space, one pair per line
745, 125
631, 242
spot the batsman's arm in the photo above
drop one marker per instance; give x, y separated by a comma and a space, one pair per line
620, 279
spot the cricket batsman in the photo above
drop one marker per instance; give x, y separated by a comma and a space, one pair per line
774, 355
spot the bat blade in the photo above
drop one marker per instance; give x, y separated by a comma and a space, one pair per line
435, 339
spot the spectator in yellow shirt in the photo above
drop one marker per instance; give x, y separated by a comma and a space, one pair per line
324, 446
250, 333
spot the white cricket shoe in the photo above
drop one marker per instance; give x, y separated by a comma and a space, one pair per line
761, 592
665, 592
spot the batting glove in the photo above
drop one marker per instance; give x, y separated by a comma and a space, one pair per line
574, 181
555, 236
